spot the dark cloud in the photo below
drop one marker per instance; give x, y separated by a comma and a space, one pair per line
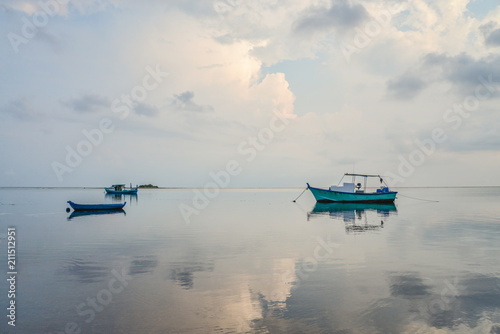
184, 102
88, 103
146, 109
20, 109
462, 71
493, 38
55, 42
471, 140
199, 8
406, 86
491, 33
342, 15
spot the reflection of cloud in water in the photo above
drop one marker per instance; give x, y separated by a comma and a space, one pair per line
85, 271
143, 265
495, 329
263, 300
182, 274
467, 305
408, 285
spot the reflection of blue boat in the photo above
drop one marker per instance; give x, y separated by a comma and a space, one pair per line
93, 207
354, 193
121, 190
80, 213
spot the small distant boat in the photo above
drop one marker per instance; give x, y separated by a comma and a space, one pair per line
91, 207
120, 189
354, 193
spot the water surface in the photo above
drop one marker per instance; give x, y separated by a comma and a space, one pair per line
253, 261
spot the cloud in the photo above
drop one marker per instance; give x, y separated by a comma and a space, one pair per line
184, 102
494, 38
406, 86
20, 109
56, 43
272, 95
88, 103
146, 109
491, 34
342, 15
463, 72
62, 8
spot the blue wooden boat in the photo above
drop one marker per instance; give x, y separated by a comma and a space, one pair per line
350, 192
119, 189
91, 207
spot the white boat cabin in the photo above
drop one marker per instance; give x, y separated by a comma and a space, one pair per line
346, 188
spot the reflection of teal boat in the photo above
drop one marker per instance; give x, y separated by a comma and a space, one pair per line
119, 197
354, 193
330, 208
355, 213
75, 214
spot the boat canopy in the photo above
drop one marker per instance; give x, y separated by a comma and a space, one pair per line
357, 186
363, 175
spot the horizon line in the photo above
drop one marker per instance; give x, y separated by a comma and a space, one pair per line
229, 188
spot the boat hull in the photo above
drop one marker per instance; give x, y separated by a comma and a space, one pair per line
93, 207
329, 196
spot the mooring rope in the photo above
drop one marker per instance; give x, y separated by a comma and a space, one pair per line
295, 200
419, 199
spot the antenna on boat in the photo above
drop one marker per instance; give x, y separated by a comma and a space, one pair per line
353, 171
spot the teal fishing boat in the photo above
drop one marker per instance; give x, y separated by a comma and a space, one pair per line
352, 192
120, 189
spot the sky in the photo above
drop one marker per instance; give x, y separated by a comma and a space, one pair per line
243, 93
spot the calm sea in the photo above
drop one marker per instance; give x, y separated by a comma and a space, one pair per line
252, 261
